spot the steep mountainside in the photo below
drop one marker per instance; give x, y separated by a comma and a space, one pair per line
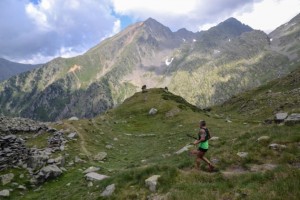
279, 95
205, 68
286, 39
9, 69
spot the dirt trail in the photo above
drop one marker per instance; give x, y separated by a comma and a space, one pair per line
82, 140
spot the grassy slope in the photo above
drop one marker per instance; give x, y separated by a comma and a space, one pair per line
136, 136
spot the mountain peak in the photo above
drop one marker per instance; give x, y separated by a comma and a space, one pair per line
153, 23
230, 27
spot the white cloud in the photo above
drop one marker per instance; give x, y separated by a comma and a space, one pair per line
269, 14
201, 15
53, 28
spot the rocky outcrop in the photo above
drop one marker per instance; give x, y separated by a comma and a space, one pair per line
20, 125
13, 151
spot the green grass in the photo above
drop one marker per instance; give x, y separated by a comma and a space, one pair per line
144, 145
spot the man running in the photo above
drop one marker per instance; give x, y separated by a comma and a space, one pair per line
203, 137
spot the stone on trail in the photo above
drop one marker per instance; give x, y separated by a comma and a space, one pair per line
108, 190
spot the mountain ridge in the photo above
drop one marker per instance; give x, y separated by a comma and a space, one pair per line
206, 70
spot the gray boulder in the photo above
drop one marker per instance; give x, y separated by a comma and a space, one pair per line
4, 193
93, 176
151, 182
7, 178
100, 156
293, 119
46, 173
280, 117
152, 111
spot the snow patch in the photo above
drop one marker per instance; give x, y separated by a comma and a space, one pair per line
194, 40
271, 39
229, 40
168, 62
183, 39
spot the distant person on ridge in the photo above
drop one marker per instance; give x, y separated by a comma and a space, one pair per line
203, 137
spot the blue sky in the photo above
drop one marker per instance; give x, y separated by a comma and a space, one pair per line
36, 31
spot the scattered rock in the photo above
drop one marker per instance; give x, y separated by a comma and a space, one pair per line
91, 169
72, 135
277, 146
263, 138
4, 193
242, 154
73, 119
109, 146
7, 178
108, 190
152, 111
100, 156
93, 176
293, 119
22, 187
46, 173
78, 160
90, 184
151, 182
280, 117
